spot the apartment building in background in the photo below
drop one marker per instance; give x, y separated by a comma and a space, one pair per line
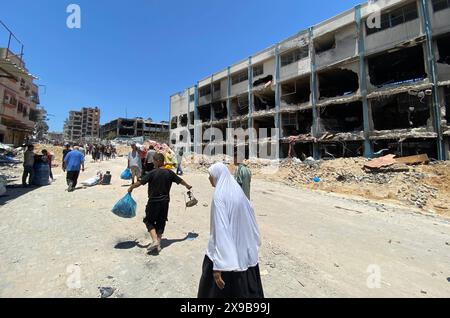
19, 95
341, 88
82, 125
135, 127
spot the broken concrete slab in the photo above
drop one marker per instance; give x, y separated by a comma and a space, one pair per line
378, 163
414, 160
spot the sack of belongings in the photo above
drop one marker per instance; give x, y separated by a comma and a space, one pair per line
126, 175
125, 208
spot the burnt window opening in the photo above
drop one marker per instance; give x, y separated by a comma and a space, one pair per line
239, 77
191, 117
267, 124
444, 49
265, 80
205, 91
220, 110
403, 66
192, 134
184, 120
191, 98
239, 106
296, 92
408, 147
216, 87
447, 103
342, 149
204, 113
294, 56
396, 17
337, 82
401, 111
439, 5
240, 124
299, 150
325, 43
258, 70
127, 131
299, 123
342, 118
264, 101
173, 123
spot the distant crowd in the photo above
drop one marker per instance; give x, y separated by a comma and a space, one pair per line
100, 152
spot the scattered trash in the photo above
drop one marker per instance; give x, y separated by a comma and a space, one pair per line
424, 292
301, 283
106, 292
126, 207
341, 208
316, 179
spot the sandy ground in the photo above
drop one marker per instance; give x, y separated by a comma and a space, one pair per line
59, 244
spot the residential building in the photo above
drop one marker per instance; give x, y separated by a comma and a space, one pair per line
82, 125
348, 86
135, 127
19, 96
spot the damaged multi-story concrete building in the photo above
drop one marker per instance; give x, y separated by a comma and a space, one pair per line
82, 125
373, 79
135, 127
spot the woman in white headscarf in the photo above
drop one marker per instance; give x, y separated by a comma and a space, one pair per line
230, 268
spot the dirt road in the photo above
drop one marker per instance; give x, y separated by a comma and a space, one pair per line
59, 244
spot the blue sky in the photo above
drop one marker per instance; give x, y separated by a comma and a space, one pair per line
131, 56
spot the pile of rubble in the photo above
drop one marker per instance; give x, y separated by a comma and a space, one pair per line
420, 184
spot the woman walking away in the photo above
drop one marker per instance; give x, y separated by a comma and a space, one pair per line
230, 268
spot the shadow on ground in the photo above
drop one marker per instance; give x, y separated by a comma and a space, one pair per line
127, 245
14, 192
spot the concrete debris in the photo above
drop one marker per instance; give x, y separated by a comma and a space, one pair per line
414, 160
106, 292
378, 163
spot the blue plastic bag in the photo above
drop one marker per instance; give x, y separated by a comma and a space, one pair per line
126, 175
126, 207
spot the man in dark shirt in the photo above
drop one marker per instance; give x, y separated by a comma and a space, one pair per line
159, 183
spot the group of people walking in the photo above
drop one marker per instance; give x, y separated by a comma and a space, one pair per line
100, 152
230, 267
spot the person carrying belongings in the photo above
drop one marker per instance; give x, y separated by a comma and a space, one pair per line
134, 163
230, 267
159, 183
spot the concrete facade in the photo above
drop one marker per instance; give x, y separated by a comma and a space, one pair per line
19, 97
135, 127
342, 88
83, 124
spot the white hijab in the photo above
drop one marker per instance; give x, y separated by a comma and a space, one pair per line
234, 241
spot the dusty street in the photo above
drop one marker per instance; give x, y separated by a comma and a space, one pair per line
314, 244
